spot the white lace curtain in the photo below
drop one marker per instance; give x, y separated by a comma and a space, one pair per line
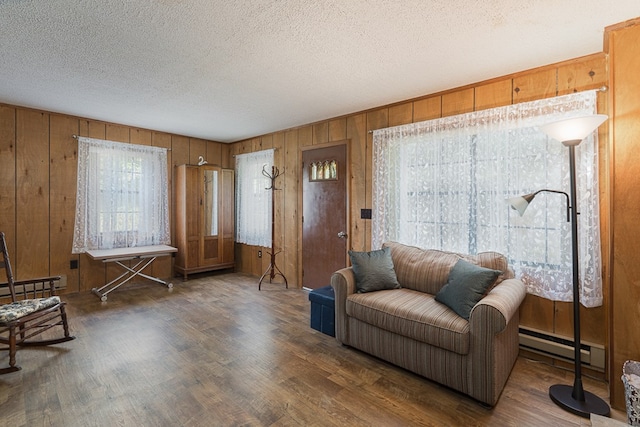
122, 196
253, 200
443, 183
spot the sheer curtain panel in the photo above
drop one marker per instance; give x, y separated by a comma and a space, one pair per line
122, 196
443, 183
253, 199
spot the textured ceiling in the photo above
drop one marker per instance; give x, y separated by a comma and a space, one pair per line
229, 70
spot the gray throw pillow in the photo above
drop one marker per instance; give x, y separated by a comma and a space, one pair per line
466, 285
373, 270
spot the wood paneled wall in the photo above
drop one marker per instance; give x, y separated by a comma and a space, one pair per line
38, 175
584, 73
624, 171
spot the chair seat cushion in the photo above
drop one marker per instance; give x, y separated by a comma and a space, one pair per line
412, 314
18, 309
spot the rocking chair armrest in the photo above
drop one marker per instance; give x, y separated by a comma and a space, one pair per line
50, 280
37, 280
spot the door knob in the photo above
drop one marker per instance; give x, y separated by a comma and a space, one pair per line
342, 235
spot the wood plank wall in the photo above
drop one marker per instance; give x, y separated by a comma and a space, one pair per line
579, 74
623, 42
38, 174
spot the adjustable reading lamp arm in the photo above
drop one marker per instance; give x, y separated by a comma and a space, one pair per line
530, 197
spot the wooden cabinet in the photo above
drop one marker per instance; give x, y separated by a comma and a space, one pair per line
205, 218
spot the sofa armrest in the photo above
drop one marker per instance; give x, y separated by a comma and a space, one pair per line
493, 325
343, 283
505, 298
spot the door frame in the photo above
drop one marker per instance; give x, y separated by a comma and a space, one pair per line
347, 144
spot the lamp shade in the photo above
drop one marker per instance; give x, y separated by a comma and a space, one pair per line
574, 129
519, 203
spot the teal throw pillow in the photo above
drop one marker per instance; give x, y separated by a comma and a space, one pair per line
373, 270
466, 285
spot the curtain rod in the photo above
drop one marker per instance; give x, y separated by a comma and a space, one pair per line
169, 149
251, 152
602, 88
76, 137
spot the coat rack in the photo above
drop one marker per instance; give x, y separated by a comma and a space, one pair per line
273, 269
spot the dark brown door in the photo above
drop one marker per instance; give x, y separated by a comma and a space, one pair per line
324, 214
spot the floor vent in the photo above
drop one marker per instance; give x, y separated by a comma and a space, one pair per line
560, 347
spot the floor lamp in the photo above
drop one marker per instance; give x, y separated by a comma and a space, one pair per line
571, 132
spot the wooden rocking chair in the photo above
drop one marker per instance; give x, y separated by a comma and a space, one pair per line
34, 308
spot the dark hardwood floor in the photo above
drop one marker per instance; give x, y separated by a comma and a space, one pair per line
215, 351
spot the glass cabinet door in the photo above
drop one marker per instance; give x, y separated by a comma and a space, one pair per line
210, 249
210, 203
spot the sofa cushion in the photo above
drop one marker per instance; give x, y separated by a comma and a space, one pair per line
373, 270
412, 314
467, 284
494, 261
424, 270
427, 270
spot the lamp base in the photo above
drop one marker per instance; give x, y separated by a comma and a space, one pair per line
562, 396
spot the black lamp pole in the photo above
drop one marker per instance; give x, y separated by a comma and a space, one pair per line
571, 132
575, 399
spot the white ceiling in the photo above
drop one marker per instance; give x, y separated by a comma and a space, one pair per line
234, 69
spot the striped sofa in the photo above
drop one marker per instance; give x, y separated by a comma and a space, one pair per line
408, 328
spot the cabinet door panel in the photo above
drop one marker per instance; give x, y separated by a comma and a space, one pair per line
210, 202
193, 251
209, 224
210, 252
192, 200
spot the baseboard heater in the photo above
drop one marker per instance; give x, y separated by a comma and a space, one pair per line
560, 347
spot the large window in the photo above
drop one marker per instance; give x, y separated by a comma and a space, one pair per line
122, 197
253, 198
443, 183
